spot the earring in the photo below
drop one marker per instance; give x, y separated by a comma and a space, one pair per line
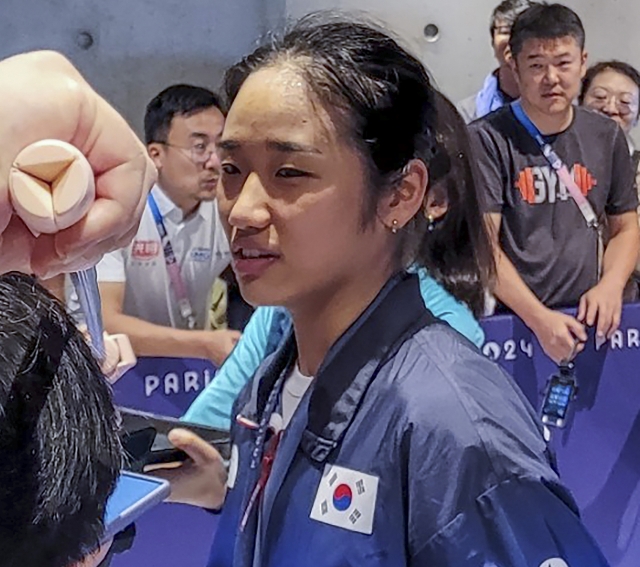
431, 223
394, 226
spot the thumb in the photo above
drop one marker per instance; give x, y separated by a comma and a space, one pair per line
198, 450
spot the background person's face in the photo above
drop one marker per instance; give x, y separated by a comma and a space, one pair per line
615, 95
549, 73
188, 164
291, 195
500, 43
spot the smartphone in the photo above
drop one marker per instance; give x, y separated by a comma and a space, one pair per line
145, 438
561, 390
134, 495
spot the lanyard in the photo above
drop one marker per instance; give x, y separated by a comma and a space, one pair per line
173, 268
556, 163
266, 465
264, 452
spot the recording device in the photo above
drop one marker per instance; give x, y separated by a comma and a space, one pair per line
145, 438
560, 391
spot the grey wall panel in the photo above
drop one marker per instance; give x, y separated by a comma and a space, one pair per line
139, 46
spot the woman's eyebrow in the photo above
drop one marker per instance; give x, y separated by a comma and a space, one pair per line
282, 146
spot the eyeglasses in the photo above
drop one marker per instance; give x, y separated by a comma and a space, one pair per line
199, 152
502, 30
600, 98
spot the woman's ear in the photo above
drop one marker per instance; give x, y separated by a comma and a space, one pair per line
436, 203
396, 209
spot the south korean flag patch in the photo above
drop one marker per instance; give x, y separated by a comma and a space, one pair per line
346, 499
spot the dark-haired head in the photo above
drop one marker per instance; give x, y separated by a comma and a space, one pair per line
505, 13
613, 88
176, 100
58, 433
543, 21
182, 125
549, 61
372, 100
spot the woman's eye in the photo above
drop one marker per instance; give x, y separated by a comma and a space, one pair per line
290, 172
230, 169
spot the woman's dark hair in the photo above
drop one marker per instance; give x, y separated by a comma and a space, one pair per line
59, 444
457, 251
618, 66
382, 99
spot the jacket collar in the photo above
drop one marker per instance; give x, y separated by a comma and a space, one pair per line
352, 362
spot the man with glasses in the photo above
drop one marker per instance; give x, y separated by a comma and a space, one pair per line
156, 290
500, 87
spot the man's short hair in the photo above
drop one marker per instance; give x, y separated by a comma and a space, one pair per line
506, 13
545, 21
621, 67
176, 100
60, 455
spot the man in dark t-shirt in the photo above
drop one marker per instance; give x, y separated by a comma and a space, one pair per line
546, 254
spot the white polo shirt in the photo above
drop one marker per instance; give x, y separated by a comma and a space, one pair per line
201, 249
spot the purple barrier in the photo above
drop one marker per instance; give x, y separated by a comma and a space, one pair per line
598, 452
171, 535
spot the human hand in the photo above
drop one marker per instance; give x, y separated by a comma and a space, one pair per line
72, 112
199, 481
602, 303
118, 354
561, 336
218, 345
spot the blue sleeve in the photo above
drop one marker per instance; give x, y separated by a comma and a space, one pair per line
518, 523
446, 307
259, 339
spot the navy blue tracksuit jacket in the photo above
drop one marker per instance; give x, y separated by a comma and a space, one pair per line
410, 449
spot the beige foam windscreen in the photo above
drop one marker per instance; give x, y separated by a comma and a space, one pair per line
52, 186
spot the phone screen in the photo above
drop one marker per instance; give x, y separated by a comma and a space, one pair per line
557, 400
134, 494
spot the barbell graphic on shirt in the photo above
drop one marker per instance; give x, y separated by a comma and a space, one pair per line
52, 187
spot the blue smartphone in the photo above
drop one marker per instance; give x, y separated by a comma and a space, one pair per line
134, 495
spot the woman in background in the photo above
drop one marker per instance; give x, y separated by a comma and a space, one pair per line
613, 89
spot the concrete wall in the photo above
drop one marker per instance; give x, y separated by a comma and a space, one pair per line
462, 56
139, 46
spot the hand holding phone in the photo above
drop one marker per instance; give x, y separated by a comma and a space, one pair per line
145, 438
202, 479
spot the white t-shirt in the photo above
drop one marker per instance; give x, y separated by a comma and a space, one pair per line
201, 249
294, 389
